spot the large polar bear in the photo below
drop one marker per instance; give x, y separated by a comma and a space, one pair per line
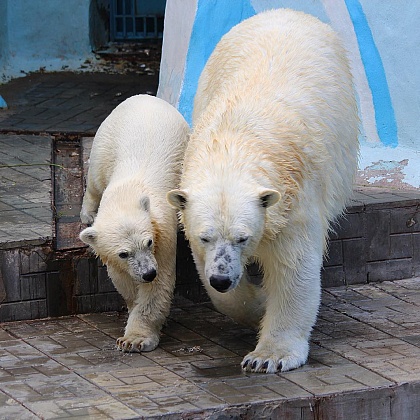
135, 160
269, 166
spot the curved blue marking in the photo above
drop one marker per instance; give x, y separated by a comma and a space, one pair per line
214, 18
384, 112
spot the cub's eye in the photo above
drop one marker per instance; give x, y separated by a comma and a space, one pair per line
205, 240
123, 255
242, 240
149, 243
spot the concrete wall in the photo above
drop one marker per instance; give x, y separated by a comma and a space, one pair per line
383, 43
4, 39
50, 34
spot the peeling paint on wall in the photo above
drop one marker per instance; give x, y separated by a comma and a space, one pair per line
399, 168
384, 174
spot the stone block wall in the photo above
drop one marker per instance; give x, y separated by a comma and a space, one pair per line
374, 242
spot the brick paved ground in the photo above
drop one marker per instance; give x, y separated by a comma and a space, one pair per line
363, 364
67, 102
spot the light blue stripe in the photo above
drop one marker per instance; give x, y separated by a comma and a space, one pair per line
3, 103
384, 112
214, 18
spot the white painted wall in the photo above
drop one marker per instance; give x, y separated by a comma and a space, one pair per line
383, 41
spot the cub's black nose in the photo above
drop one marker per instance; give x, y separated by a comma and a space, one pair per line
220, 283
150, 275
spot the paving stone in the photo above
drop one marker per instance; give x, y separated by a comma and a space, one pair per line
69, 367
12, 409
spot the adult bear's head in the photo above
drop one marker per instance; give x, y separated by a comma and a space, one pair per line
224, 223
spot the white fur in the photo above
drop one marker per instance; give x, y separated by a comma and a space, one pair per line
269, 166
135, 160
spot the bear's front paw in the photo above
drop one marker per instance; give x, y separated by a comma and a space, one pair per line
137, 342
272, 359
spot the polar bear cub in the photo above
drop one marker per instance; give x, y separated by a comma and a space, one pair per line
135, 160
275, 121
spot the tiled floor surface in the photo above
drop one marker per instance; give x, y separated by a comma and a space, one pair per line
67, 102
25, 189
366, 337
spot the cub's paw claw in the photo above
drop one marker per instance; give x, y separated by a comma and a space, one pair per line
136, 343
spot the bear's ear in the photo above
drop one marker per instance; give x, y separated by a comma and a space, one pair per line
177, 198
145, 203
268, 197
89, 236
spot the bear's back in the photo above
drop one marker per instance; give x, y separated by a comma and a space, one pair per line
282, 78
143, 134
281, 55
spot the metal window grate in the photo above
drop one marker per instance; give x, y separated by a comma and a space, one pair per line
136, 19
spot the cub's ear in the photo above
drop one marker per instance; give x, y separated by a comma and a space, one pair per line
89, 236
268, 197
177, 198
145, 203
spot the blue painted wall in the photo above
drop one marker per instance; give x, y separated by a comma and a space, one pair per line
47, 33
4, 39
395, 29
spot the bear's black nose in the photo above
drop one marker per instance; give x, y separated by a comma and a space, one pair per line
150, 275
220, 283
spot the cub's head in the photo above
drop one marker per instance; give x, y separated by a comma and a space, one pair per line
126, 242
224, 227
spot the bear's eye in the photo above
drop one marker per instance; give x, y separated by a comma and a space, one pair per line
242, 239
149, 243
123, 255
204, 239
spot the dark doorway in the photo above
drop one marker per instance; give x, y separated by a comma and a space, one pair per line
132, 20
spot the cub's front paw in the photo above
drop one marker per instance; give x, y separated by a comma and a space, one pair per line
87, 217
137, 342
272, 359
